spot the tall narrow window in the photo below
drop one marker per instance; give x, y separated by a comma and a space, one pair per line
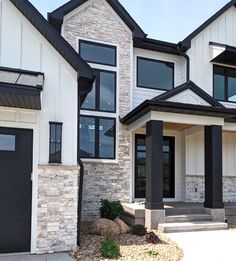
97, 137
55, 142
102, 96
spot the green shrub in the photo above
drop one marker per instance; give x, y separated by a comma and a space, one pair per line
110, 249
153, 253
139, 230
110, 209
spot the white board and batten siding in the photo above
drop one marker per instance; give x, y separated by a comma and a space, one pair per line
195, 154
142, 94
222, 31
23, 47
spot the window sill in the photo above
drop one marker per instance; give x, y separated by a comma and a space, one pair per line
100, 161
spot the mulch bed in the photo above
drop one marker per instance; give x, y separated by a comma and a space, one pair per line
133, 248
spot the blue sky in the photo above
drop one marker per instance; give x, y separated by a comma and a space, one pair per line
167, 20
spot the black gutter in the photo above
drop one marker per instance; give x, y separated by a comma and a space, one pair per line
81, 173
182, 53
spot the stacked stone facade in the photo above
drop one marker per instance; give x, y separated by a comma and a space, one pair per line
195, 189
57, 208
97, 21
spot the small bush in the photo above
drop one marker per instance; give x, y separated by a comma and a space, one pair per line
152, 238
139, 230
110, 249
153, 253
110, 209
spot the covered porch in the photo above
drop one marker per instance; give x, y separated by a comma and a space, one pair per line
157, 119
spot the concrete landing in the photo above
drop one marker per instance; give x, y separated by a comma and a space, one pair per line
49, 257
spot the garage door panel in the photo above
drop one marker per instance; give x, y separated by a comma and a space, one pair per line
17, 232
15, 174
15, 190
19, 203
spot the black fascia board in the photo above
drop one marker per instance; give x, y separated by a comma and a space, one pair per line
187, 41
189, 86
55, 18
156, 45
174, 107
54, 38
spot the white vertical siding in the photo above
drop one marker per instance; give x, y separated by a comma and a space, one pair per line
220, 31
22, 46
195, 154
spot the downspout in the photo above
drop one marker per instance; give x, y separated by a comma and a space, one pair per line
81, 173
179, 49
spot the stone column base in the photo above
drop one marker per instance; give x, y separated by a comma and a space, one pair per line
154, 217
217, 214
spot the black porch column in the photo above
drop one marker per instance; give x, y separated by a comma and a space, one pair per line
154, 163
213, 167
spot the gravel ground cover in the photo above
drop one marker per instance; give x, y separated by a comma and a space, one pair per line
133, 248
232, 227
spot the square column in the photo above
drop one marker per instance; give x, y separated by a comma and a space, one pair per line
154, 212
214, 172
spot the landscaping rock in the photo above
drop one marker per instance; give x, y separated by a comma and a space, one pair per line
104, 226
124, 228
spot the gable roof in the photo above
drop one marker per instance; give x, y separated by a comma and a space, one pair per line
187, 41
56, 40
55, 18
194, 88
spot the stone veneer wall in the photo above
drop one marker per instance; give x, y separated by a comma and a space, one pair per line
98, 22
195, 190
197, 182
57, 208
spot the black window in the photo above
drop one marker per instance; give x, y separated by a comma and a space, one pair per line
155, 74
224, 83
102, 97
97, 53
55, 142
97, 137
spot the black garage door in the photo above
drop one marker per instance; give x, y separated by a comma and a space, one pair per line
15, 189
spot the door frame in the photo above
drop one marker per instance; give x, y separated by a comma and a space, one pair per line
133, 165
34, 175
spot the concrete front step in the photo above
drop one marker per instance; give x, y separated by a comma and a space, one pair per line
187, 218
192, 226
185, 211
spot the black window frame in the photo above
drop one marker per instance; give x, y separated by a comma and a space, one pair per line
157, 61
101, 45
226, 89
96, 73
97, 137
53, 160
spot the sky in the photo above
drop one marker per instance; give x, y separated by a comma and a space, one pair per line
166, 20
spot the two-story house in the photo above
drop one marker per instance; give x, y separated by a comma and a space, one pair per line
152, 121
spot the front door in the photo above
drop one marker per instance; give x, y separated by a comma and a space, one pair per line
168, 167
15, 189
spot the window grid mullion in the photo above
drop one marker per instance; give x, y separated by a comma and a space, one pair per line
97, 138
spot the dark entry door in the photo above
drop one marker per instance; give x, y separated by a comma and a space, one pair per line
15, 189
168, 167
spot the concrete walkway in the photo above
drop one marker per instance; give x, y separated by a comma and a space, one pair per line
51, 257
207, 246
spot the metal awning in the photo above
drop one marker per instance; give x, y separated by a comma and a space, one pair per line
20, 88
227, 56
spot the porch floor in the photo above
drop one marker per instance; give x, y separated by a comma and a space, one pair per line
134, 213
